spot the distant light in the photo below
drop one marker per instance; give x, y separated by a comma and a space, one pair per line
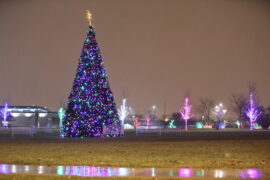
123, 171
40, 170
253, 173
60, 170
222, 125
42, 114
26, 168
219, 174
28, 114
199, 125
220, 109
15, 114
171, 124
5, 123
153, 173
13, 169
185, 172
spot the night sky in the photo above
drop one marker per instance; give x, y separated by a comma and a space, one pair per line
154, 50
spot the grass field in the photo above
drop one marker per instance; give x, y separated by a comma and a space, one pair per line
207, 150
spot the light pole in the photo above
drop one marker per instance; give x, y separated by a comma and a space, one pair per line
154, 110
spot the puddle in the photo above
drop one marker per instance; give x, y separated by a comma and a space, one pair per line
90, 171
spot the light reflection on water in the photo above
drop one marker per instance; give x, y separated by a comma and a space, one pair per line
90, 171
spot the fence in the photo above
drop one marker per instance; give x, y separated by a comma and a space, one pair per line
113, 131
28, 130
107, 131
156, 130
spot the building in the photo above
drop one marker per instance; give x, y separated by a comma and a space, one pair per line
29, 116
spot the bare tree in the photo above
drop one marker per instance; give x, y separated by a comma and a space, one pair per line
252, 88
205, 107
253, 110
238, 105
268, 109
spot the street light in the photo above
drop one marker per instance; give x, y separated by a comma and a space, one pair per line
154, 109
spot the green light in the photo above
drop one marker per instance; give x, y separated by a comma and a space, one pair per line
60, 170
171, 173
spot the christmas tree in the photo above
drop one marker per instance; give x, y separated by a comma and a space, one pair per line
90, 104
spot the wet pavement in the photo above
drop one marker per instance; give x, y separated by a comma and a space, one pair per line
90, 171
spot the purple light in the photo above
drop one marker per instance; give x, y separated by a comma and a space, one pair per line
252, 112
148, 119
251, 173
89, 171
4, 113
186, 111
4, 169
185, 172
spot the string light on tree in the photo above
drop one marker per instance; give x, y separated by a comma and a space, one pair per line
136, 122
238, 123
257, 126
91, 104
5, 113
61, 115
123, 111
220, 111
252, 111
199, 125
171, 124
148, 119
185, 111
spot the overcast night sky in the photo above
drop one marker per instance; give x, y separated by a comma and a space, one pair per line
154, 50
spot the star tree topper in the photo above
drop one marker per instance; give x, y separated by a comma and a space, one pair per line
89, 17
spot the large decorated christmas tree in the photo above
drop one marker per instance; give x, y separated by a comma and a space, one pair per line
90, 104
